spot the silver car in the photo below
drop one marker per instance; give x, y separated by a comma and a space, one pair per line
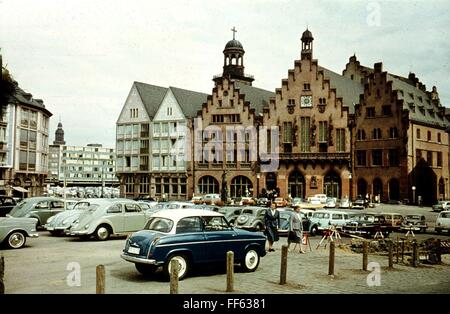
58, 223
40, 208
14, 231
110, 217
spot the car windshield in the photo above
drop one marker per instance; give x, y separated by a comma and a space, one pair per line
20, 209
159, 224
248, 211
445, 215
413, 217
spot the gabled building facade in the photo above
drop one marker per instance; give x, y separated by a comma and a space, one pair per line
401, 142
313, 110
151, 141
225, 131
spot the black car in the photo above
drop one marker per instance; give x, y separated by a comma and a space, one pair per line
368, 225
6, 204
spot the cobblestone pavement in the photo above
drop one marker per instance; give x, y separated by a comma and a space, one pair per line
42, 267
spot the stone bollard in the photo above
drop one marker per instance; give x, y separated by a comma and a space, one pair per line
331, 260
100, 279
174, 266
390, 255
230, 271
414, 254
2, 274
283, 269
365, 255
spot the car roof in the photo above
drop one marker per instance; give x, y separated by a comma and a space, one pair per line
177, 214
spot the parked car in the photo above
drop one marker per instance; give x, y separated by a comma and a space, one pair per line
262, 201
59, 223
443, 222
331, 202
40, 208
285, 222
6, 204
297, 201
111, 217
231, 213
14, 231
414, 223
359, 203
280, 202
441, 205
251, 218
324, 219
211, 198
197, 200
176, 205
394, 219
191, 237
322, 197
345, 203
367, 225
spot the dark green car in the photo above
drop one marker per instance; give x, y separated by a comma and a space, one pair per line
40, 208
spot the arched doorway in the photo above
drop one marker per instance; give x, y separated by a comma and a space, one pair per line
377, 188
296, 184
208, 185
271, 181
362, 187
394, 189
332, 185
241, 186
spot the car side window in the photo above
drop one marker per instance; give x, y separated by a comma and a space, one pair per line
326, 216
42, 205
336, 216
189, 224
57, 204
215, 224
114, 209
131, 208
8, 201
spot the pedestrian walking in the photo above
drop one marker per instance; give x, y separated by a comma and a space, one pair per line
272, 223
295, 234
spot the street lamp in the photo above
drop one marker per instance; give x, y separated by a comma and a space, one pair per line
413, 188
351, 186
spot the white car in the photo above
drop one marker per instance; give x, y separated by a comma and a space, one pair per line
324, 219
443, 222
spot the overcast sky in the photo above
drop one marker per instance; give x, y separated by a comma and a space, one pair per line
81, 57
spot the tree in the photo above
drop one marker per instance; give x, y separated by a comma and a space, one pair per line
7, 88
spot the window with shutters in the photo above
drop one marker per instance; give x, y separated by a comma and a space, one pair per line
304, 134
323, 132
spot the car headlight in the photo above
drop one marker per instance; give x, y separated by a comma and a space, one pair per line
50, 219
87, 226
65, 221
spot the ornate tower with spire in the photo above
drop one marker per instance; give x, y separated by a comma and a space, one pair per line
233, 62
59, 135
307, 45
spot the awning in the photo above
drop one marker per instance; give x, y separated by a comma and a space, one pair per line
20, 189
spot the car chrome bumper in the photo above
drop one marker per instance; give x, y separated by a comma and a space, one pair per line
33, 235
75, 233
139, 260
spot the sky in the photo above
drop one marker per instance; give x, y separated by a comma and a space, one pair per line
81, 57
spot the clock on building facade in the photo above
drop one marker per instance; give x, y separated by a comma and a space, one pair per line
306, 101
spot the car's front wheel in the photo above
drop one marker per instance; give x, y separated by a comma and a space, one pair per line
145, 270
16, 240
183, 265
314, 230
251, 260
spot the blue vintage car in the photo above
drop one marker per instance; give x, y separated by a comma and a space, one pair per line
191, 236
